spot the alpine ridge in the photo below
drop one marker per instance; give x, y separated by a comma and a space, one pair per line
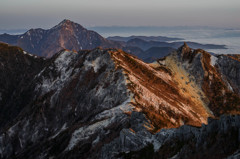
106, 103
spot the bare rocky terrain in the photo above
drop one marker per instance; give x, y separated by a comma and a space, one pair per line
106, 103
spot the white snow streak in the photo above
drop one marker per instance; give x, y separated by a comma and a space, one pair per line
64, 127
213, 60
85, 132
62, 65
94, 64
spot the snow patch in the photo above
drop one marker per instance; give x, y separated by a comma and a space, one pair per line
124, 107
85, 132
213, 60
95, 64
62, 64
11, 130
1, 145
64, 127
25, 53
104, 119
96, 141
156, 144
229, 86
20, 141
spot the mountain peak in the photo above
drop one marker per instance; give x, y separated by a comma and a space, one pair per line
66, 23
185, 48
185, 44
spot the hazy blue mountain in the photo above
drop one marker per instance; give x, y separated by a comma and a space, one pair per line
146, 38
144, 45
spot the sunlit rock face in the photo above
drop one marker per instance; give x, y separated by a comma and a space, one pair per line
105, 103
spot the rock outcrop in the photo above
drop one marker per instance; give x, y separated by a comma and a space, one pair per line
219, 139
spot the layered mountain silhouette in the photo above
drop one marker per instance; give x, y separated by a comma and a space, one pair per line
146, 38
144, 45
106, 103
74, 37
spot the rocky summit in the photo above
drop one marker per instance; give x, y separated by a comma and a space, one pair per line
65, 35
106, 103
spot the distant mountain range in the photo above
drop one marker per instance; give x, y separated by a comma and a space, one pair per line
106, 103
148, 44
150, 55
74, 37
149, 51
146, 38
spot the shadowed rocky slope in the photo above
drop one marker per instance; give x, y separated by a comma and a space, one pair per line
17, 68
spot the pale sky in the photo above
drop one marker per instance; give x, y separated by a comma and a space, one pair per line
18, 14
